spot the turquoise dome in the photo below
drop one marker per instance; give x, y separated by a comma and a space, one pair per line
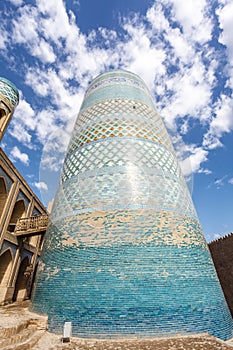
9, 90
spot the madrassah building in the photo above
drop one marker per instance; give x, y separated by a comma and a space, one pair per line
23, 218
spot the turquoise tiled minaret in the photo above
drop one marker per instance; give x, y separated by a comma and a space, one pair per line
124, 253
9, 99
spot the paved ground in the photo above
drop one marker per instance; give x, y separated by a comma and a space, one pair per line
201, 342
15, 313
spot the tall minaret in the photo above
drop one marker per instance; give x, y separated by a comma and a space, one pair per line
9, 98
124, 253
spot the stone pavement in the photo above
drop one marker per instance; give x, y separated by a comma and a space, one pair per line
196, 342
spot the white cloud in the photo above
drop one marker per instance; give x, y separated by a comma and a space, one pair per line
221, 123
27, 30
44, 52
16, 2
4, 37
142, 58
21, 134
216, 236
168, 48
23, 121
38, 81
205, 171
192, 163
231, 181
56, 22
155, 15
25, 26
16, 154
220, 182
225, 13
194, 19
41, 185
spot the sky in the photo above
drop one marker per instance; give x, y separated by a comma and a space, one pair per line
182, 49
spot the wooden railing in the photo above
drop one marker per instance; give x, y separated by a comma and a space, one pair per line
33, 225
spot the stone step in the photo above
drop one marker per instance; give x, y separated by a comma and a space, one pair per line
16, 334
20, 336
7, 332
27, 344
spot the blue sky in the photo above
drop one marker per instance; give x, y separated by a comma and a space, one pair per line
182, 49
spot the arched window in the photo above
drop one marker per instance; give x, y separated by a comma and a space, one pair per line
2, 113
22, 281
3, 194
19, 212
6, 260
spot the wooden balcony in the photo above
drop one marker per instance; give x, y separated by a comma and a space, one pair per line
34, 225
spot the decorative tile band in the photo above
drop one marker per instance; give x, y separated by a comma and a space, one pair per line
119, 118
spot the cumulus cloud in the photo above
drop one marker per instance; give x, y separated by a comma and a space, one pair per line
171, 48
192, 163
193, 17
225, 15
16, 155
23, 122
16, 2
221, 123
41, 185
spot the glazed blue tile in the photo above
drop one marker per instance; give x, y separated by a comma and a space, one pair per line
124, 253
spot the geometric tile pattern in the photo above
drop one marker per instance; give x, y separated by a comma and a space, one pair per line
119, 118
8, 90
110, 187
124, 253
118, 152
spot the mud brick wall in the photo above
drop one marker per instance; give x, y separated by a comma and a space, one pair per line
222, 255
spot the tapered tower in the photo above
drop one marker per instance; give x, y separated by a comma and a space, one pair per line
9, 98
124, 253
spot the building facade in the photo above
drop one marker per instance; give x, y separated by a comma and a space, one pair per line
124, 253
20, 247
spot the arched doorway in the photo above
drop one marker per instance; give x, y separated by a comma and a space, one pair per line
19, 212
33, 281
5, 267
21, 284
3, 194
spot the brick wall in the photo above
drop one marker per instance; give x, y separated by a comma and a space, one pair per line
222, 254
